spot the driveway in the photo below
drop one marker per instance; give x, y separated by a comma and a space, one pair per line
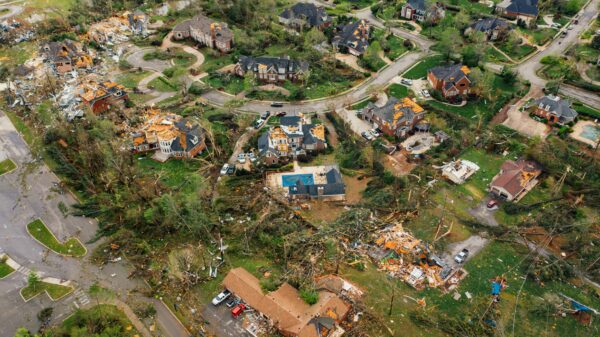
474, 244
221, 323
356, 124
483, 214
520, 120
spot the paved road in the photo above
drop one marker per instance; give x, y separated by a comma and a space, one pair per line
13, 10
26, 194
528, 69
221, 323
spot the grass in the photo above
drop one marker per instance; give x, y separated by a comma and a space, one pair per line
174, 173
516, 52
396, 47
586, 110
538, 36
421, 68
6, 166
360, 105
54, 291
229, 83
489, 165
214, 61
72, 247
131, 79
397, 90
495, 56
162, 84
5, 269
82, 320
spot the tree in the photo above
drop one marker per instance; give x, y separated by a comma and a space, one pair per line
508, 75
249, 81
450, 42
33, 281
461, 20
483, 83
22, 332
595, 42
314, 37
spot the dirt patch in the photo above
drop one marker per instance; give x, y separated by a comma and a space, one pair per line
398, 164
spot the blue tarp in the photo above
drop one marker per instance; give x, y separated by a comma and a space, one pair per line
496, 287
579, 306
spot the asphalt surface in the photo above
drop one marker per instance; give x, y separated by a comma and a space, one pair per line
13, 10
27, 194
221, 323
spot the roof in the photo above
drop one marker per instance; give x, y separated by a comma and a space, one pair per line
284, 306
396, 111
527, 7
183, 133
313, 15
354, 35
417, 4
561, 107
220, 31
514, 176
271, 63
488, 24
334, 186
450, 74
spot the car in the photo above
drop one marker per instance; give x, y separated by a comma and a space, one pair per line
367, 135
556, 25
238, 310
265, 115
241, 158
276, 104
222, 296
251, 156
224, 169
425, 93
374, 133
563, 34
406, 81
461, 256
575, 21
259, 122
232, 301
231, 170
492, 204
281, 114
570, 27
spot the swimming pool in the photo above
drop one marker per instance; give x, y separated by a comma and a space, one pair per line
292, 179
590, 132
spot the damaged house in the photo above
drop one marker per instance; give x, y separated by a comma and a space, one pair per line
305, 15
101, 96
294, 136
459, 171
326, 184
207, 32
515, 179
271, 69
66, 55
285, 310
170, 135
353, 37
452, 81
396, 118
418, 10
493, 28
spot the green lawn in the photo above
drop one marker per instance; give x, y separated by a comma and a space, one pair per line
40, 232
421, 68
214, 61
516, 52
6, 166
495, 56
174, 173
586, 110
54, 291
360, 105
489, 166
229, 83
397, 90
131, 79
396, 47
539, 36
100, 320
5, 269
162, 84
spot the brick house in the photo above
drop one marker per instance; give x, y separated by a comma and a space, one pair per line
452, 81
493, 28
304, 15
271, 69
295, 135
207, 32
66, 55
170, 135
417, 10
354, 37
396, 118
515, 179
101, 96
554, 109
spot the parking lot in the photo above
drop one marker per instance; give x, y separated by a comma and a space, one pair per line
221, 323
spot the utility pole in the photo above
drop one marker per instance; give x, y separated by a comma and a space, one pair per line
392, 300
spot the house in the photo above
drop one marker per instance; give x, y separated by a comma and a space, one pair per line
66, 55
294, 136
493, 28
417, 10
284, 308
554, 109
215, 35
353, 37
525, 10
305, 16
396, 118
452, 81
515, 179
271, 69
172, 135
459, 171
101, 96
326, 184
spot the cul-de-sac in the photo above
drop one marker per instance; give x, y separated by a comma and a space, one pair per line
299, 168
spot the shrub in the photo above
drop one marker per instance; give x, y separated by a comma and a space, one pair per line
310, 296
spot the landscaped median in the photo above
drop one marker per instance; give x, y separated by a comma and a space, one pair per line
5, 269
6, 166
54, 290
72, 247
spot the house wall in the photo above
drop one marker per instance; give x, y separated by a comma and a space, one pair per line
434, 82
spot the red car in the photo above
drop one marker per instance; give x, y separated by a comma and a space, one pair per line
492, 203
238, 310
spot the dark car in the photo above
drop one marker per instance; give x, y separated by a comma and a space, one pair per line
231, 302
281, 114
276, 104
231, 170
265, 115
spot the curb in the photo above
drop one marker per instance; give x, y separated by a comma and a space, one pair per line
45, 291
14, 169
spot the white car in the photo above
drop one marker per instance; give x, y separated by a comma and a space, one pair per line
259, 122
241, 158
406, 81
224, 169
461, 256
367, 135
425, 93
251, 156
221, 297
374, 133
